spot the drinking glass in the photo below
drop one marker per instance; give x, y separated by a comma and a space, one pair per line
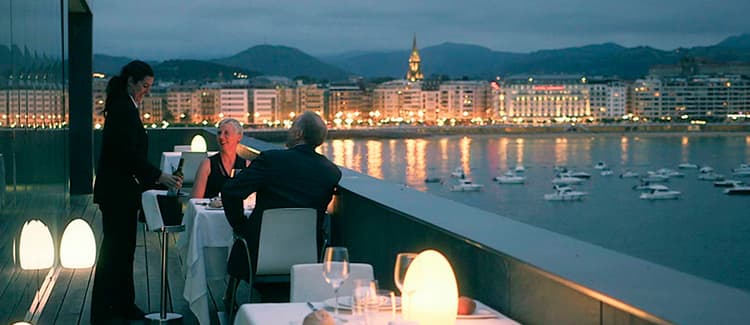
403, 260
387, 303
336, 270
365, 301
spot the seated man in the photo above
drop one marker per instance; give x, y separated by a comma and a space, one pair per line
297, 177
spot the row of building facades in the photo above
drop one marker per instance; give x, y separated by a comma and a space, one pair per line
706, 92
517, 99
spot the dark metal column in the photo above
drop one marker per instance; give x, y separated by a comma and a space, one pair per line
80, 143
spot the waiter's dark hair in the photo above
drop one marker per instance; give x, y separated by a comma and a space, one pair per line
118, 85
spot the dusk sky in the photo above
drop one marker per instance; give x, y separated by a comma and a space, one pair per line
164, 29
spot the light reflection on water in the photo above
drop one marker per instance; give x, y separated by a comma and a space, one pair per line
704, 232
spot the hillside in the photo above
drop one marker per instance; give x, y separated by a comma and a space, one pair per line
458, 60
183, 70
283, 61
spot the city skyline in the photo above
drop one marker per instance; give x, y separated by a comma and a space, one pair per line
174, 29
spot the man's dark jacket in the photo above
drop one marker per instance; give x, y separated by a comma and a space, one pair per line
297, 177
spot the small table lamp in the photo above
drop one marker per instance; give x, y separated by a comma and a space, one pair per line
433, 297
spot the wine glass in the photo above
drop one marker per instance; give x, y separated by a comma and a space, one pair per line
336, 270
403, 260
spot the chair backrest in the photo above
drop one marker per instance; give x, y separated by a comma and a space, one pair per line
308, 284
287, 237
190, 166
182, 148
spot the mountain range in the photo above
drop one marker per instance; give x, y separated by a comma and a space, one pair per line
451, 60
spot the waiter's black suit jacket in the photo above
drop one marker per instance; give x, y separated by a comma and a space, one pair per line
123, 170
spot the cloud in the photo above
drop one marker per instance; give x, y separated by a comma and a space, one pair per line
202, 28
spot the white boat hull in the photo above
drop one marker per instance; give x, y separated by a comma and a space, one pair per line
671, 195
738, 190
565, 197
458, 188
567, 181
510, 180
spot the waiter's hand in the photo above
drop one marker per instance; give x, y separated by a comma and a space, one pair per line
170, 180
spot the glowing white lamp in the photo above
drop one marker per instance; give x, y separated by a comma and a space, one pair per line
36, 249
433, 295
78, 246
198, 144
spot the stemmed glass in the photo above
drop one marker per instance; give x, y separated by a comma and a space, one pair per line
403, 260
336, 270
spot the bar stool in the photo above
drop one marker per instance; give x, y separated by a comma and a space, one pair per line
153, 210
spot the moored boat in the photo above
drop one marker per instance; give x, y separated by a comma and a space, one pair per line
659, 192
727, 183
466, 185
510, 178
738, 190
458, 172
566, 179
711, 177
687, 166
579, 174
565, 193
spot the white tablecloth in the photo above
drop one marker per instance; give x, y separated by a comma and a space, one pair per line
207, 233
294, 313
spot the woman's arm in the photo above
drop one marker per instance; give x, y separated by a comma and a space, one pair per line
201, 179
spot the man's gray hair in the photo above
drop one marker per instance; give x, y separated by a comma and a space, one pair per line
234, 123
313, 128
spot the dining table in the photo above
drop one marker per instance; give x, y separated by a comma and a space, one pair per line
294, 314
204, 248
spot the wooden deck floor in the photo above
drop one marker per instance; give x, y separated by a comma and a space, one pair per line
62, 296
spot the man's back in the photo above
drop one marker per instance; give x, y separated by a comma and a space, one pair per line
293, 178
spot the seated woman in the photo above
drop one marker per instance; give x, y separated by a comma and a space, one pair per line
215, 170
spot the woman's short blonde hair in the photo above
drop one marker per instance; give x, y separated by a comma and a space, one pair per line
234, 123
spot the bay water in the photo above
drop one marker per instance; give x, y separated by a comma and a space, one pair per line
705, 232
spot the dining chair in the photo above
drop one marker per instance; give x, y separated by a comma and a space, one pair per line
182, 148
287, 237
308, 283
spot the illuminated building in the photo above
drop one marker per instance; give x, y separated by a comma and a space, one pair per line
263, 105
179, 102
415, 70
347, 98
235, 103
543, 99
464, 99
693, 97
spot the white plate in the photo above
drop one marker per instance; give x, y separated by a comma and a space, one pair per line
480, 313
212, 208
345, 303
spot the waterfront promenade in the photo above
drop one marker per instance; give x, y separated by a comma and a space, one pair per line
410, 131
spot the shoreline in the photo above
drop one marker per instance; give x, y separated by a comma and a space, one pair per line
407, 132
